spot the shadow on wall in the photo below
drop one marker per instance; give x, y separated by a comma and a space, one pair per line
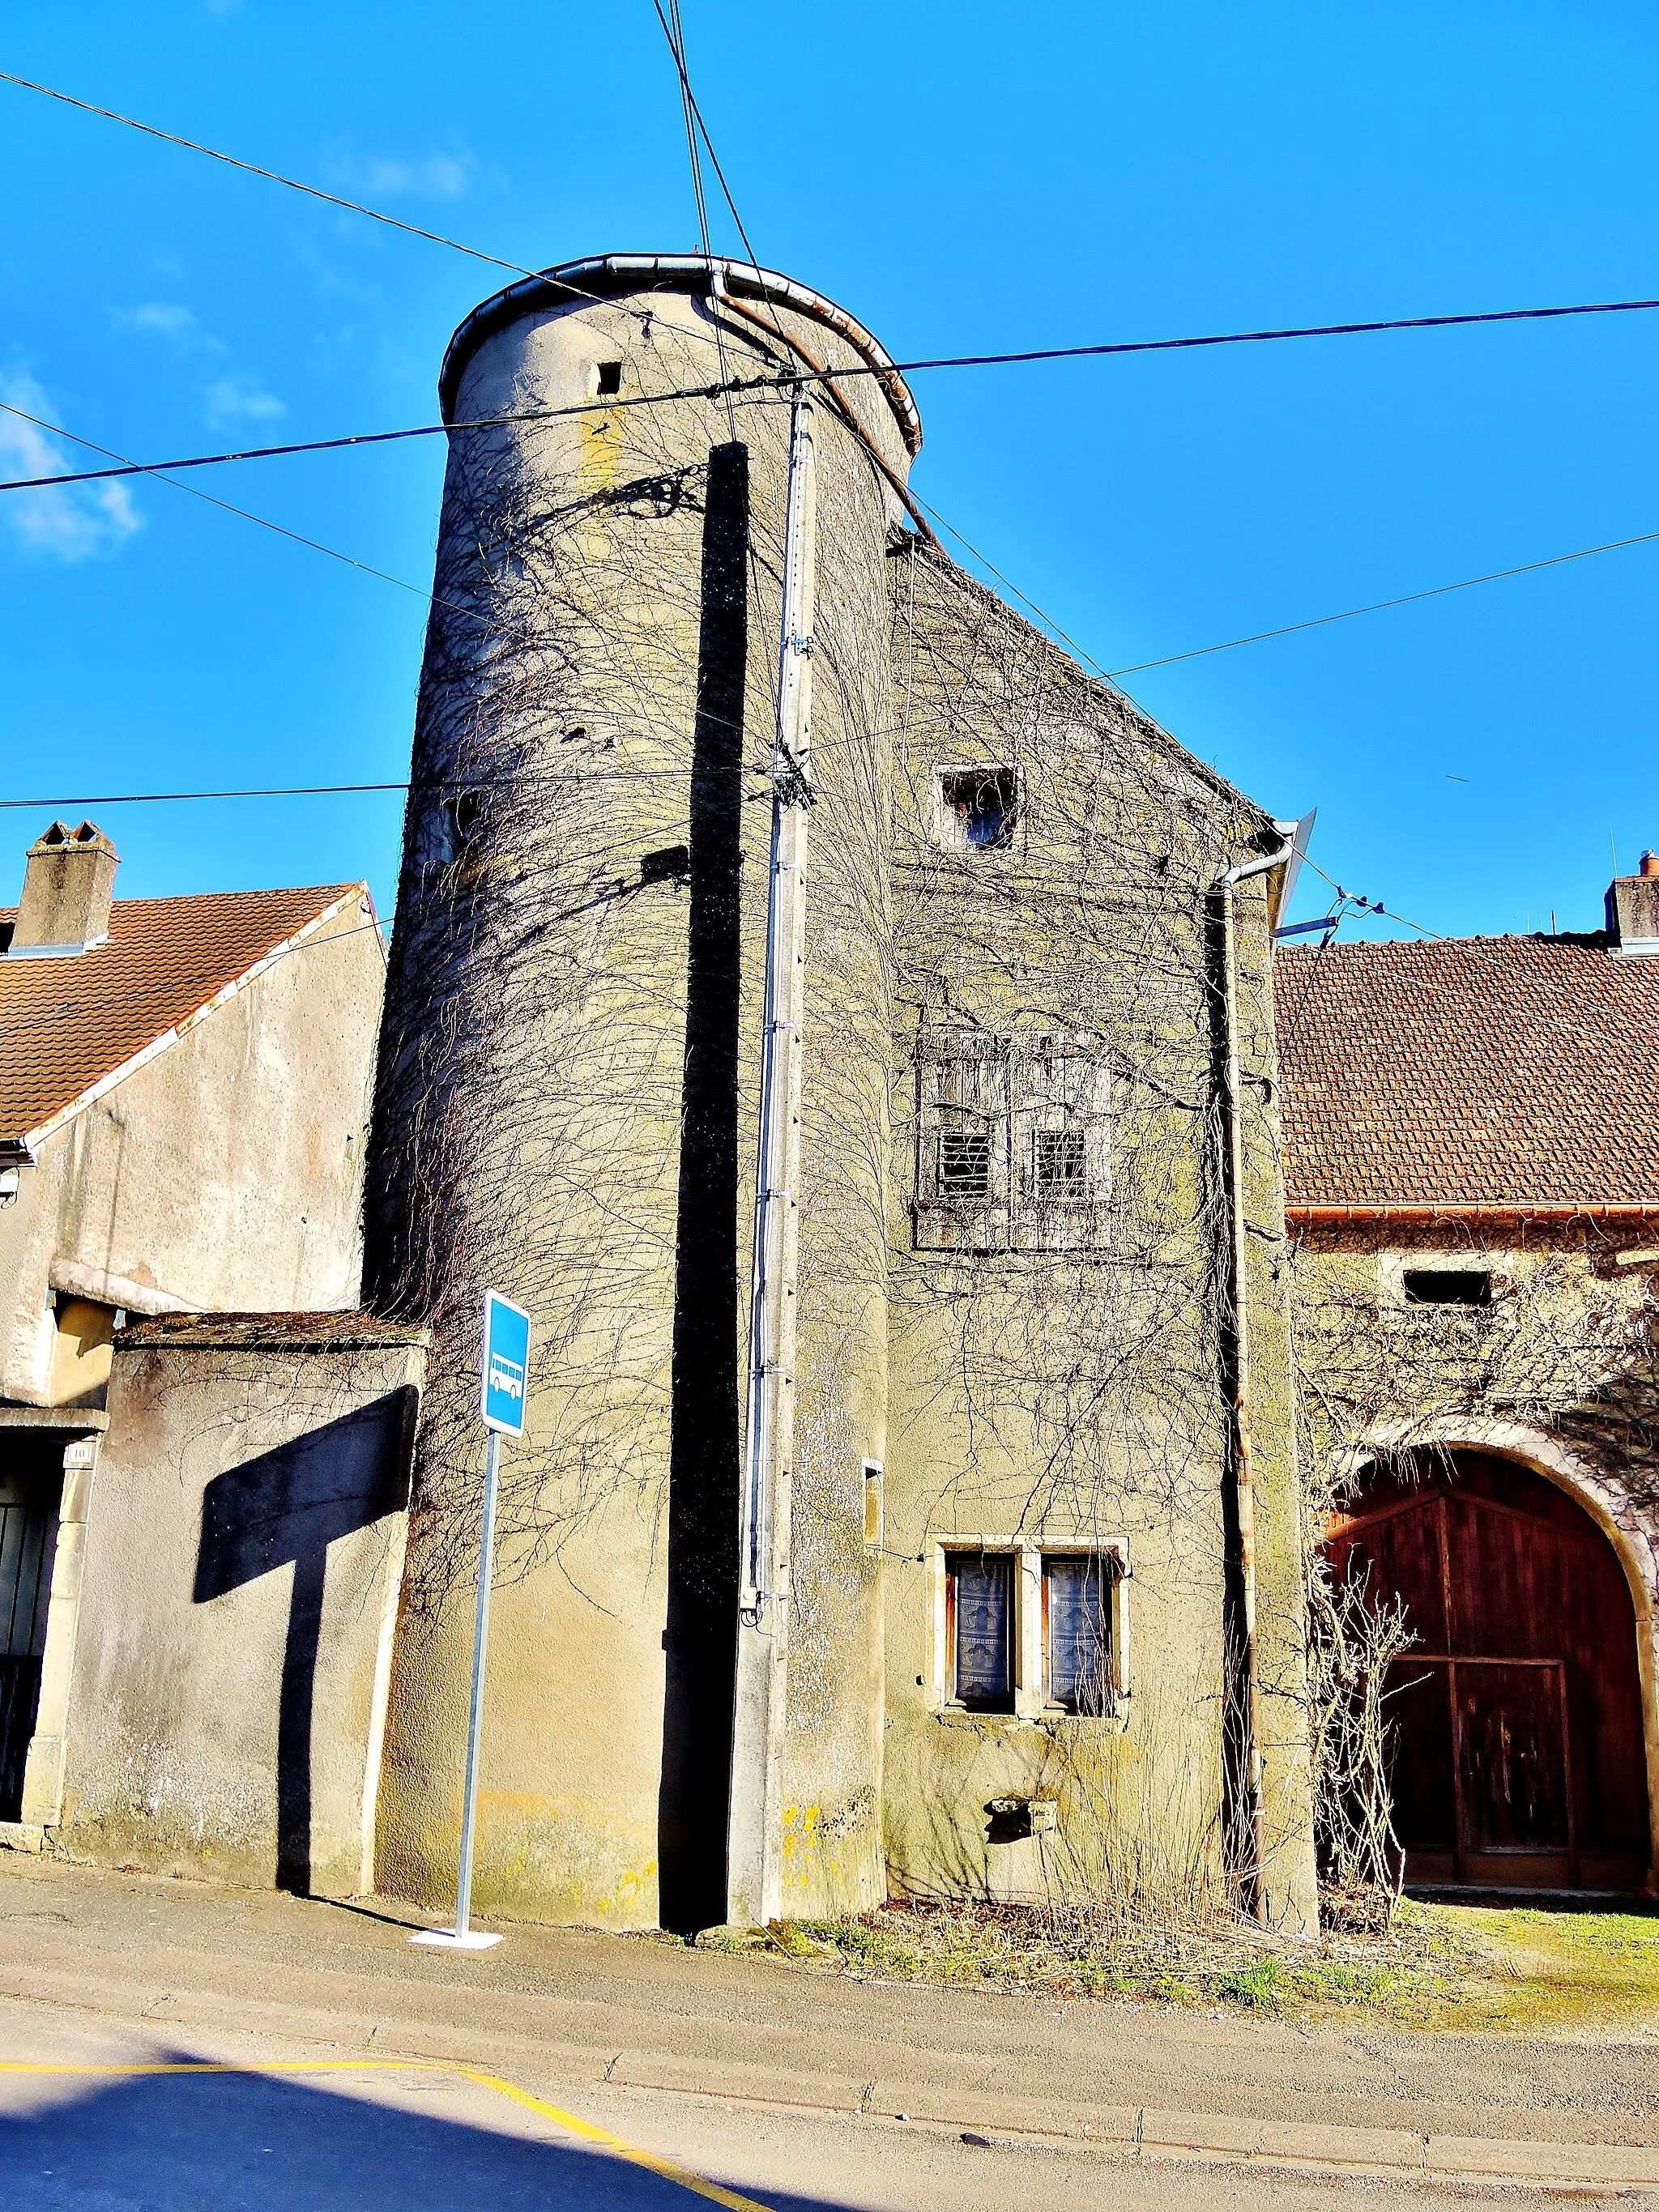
199, 2143
705, 1439
285, 1508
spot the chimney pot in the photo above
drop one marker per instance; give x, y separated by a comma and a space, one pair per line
67, 889
1650, 864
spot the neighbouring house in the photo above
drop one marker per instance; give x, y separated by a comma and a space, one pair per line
184, 1095
1471, 1173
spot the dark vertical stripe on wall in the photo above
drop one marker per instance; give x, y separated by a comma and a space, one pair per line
704, 1466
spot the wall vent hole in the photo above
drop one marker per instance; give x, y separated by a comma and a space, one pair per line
1447, 1286
464, 813
979, 806
610, 377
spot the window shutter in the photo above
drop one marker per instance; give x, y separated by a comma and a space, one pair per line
961, 1142
1060, 1130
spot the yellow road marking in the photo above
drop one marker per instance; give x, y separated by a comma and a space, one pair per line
665, 2168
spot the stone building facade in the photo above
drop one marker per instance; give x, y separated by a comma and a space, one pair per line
1472, 1136
1040, 1364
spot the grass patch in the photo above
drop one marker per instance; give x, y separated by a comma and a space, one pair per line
1263, 1982
1453, 1967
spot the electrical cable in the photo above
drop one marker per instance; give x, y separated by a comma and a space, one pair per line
1265, 337
271, 176
715, 162
297, 184
379, 437
739, 386
149, 798
1047, 621
391, 437
1375, 906
1405, 599
315, 545
956, 361
675, 36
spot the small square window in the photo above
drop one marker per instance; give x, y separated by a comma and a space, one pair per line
977, 809
1060, 1166
965, 1163
1447, 1286
610, 377
1076, 1614
979, 1629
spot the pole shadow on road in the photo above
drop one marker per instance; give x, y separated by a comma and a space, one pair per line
205, 2143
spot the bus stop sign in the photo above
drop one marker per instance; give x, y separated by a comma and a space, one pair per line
505, 1362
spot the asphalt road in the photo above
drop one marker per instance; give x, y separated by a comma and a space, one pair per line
567, 2067
355, 2137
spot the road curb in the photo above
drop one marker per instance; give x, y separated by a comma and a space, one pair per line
1146, 2133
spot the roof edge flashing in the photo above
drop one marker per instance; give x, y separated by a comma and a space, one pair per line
600, 277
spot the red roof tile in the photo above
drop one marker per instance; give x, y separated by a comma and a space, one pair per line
68, 1022
1494, 1071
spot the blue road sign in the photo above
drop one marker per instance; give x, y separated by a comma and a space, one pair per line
506, 1364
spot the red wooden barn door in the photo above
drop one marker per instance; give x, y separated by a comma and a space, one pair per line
1520, 1760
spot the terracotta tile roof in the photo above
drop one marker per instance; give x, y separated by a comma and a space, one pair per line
65, 1024
1496, 1071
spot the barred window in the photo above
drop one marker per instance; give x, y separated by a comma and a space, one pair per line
965, 1163
1012, 1142
1058, 1164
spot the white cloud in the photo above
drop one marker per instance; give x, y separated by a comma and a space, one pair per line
430, 177
64, 522
236, 396
164, 319
241, 399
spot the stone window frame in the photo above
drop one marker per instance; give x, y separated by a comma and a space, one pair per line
1015, 1089
1032, 1702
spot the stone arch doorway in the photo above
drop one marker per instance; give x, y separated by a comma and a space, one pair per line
1520, 1757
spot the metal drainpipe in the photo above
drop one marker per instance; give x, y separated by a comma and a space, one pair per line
1243, 1485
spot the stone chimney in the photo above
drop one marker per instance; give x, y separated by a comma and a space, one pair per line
67, 889
1633, 909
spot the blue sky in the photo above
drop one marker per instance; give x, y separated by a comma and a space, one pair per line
961, 177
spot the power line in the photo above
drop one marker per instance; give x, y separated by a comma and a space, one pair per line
246, 515
271, 176
1262, 337
1377, 906
953, 361
1377, 606
298, 185
378, 437
676, 37
789, 379
151, 797
714, 158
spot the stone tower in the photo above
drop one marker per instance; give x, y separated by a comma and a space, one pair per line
566, 1104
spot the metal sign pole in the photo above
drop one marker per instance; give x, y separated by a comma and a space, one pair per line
475, 1717
504, 1378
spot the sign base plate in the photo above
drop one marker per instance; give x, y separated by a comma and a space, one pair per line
446, 1939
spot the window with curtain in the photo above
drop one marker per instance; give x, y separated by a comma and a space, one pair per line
1077, 1605
980, 1607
